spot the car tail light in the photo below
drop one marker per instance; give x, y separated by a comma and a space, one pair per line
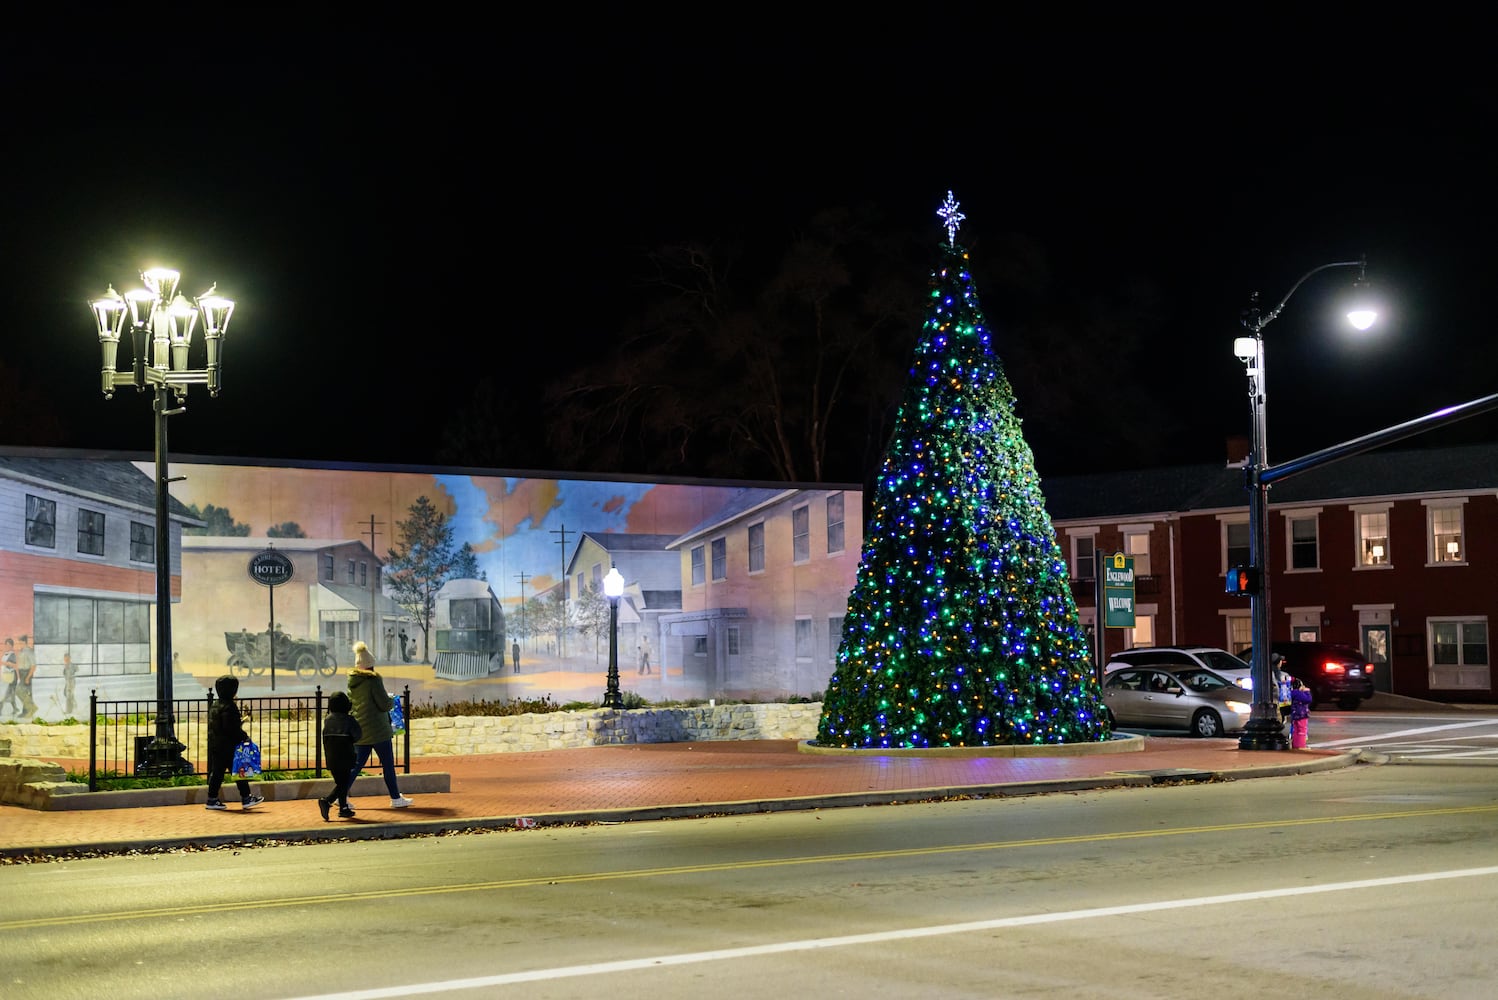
1332, 667
1367, 668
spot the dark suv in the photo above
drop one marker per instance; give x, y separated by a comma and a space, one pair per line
1333, 672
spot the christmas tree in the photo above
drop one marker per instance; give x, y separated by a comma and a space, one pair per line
961, 628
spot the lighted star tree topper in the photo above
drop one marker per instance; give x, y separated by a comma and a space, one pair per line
961, 628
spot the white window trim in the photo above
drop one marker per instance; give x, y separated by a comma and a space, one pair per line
1431, 506
1223, 520
1358, 510
1073, 535
1300, 514
1133, 531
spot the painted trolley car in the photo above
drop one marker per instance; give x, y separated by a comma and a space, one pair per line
470, 631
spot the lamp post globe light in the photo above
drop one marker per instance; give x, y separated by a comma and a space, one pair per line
161, 317
1265, 730
613, 589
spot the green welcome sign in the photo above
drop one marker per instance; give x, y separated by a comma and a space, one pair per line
1118, 591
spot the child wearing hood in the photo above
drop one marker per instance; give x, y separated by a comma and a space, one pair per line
225, 732
372, 704
340, 731
1300, 714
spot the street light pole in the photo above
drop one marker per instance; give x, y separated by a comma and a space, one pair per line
1265, 731
159, 310
613, 589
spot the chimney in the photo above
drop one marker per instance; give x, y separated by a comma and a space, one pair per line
1237, 451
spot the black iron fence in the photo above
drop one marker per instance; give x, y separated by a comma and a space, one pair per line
287, 729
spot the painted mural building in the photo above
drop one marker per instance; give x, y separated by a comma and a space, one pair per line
77, 569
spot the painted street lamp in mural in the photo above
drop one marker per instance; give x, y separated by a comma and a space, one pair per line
161, 320
613, 589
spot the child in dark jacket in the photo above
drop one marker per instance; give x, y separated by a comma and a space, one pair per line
340, 731
225, 732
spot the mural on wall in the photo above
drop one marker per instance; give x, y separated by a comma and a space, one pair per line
465, 587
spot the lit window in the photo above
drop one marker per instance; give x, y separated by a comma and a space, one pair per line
1446, 534
1137, 545
1373, 538
1459, 643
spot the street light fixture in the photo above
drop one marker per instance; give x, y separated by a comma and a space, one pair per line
613, 589
1264, 730
161, 311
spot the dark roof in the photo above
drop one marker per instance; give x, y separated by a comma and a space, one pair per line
619, 542
1462, 468
740, 503
120, 481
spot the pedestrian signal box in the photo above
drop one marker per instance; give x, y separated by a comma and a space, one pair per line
1243, 581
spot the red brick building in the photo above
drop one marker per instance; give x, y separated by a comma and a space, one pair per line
1392, 552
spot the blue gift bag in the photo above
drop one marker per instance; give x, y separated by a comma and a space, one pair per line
397, 717
246, 760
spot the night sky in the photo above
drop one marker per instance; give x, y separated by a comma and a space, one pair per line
393, 215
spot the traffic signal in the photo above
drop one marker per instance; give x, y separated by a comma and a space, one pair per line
1243, 581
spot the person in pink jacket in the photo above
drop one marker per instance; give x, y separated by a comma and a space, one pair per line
1300, 714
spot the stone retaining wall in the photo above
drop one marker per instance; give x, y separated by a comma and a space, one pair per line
510, 733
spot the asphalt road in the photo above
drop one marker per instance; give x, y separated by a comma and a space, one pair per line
1374, 881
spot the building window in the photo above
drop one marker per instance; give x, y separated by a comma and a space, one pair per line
699, 645
1143, 632
834, 523
803, 639
699, 570
41, 522
598, 577
90, 532
328, 567
1137, 544
1445, 534
1373, 538
1303, 545
757, 547
1083, 561
1459, 643
801, 534
581, 588
351, 567
1240, 633
1235, 544
720, 558
142, 542
731, 640
834, 638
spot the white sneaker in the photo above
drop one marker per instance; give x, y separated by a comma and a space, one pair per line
400, 803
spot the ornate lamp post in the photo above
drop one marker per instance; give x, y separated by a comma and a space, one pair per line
164, 318
1264, 730
613, 589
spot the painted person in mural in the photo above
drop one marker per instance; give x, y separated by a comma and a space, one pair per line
515, 654
8, 674
69, 676
25, 674
371, 709
645, 655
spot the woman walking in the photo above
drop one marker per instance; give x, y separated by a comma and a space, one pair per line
371, 709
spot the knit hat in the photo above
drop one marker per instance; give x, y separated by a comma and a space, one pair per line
362, 658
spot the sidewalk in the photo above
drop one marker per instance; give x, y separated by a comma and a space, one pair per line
641, 782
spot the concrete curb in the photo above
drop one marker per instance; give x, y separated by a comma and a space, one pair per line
344, 830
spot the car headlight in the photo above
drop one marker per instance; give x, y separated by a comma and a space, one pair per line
1239, 707
1246, 683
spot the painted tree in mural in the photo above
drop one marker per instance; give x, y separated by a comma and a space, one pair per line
961, 628
420, 563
